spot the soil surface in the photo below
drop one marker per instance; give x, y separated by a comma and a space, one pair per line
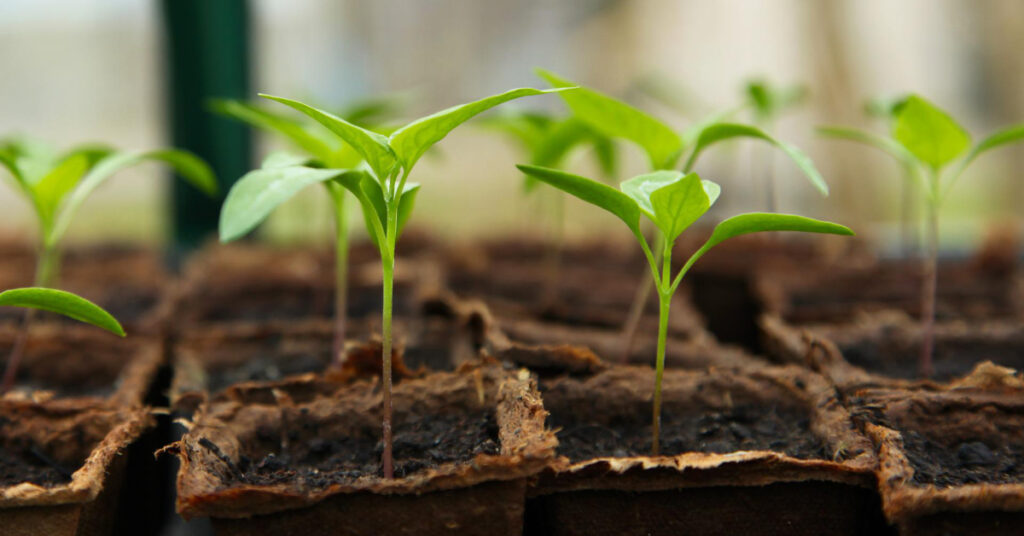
969, 462
30, 464
952, 359
423, 443
268, 366
747, 427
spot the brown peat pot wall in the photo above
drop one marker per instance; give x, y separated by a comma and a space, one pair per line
61, 467
951, 462
82, 362
127, 281
465, 442
236, 286
754, 451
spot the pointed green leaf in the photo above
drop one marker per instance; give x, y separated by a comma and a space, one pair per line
277, 159
292, 130
641, 187
51, 189
679, 204
887, 145
591, 191
61, 302
412, 140
929, 133
406, 203
723, 131
757, 222
617, 119
189, 166
1003, 137
372, 146
259, 192
9, 162
371, 194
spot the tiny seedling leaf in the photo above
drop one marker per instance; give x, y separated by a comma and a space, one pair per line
887, 145
411, 141
641, 187
929, 133
259, 192
679, 204
191, 168
616, 119
371, 146
723, 131
51, 189
257, 117
591, 191
757, 222
61, 302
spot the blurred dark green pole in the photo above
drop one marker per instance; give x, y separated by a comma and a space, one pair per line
207, 56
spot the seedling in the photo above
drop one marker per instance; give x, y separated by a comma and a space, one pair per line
55, 185
664, 148
54, 301
925, 140
322, 149
380, 186
768, 103
548, 140
672, 201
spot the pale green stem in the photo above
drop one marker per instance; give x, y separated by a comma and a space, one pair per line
930, 281
341, 244
636, 309
665, 303
388, 263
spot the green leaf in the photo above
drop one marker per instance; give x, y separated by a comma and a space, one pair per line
9, 162
292, 130
372, 195
769, 101
259, 192
1003, 137
617, 119
61, 302
371, 146
277, 159
757, 222
591, 191
887, 145
411, 141
641, 187
724, 131
189, 166
51, 189
679, 204
929, 133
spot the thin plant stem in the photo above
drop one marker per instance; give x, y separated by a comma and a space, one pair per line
636, 310
928, 291
341, 244
665, 303
46, 272
388, 264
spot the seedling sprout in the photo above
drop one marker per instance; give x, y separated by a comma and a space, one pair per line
925, 140
380, 185
672, 201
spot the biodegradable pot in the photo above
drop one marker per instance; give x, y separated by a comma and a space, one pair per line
83, 363
129, 282
60, 468
238, 285
744, 451
465, 444
883, 349
951, 462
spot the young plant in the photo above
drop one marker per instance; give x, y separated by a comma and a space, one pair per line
665, 147
56, 184
672, 201
548, 140
381, 186
54, 301
926, 140
768, 102
322, 149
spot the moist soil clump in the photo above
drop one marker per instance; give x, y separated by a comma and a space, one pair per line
969, 462
28, 463
422, 443
741, 428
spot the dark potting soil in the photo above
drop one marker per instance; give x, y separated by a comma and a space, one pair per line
422, 443
969, 462
31, 464
952, 359
267, 366
746, 427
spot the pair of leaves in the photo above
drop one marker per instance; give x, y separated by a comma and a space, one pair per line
674, 201
616, 119
405, 146
61, 302
57, 186
253, 197
769, 100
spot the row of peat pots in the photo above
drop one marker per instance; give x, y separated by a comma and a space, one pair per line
791, 400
